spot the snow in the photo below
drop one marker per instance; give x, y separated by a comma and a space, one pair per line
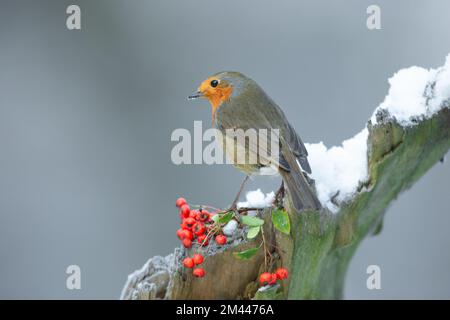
338, 171
416, 92
441, 93
257, 199
230, 228
406, 98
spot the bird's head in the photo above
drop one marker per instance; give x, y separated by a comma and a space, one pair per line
220, 88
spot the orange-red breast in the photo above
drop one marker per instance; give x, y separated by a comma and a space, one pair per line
238, 102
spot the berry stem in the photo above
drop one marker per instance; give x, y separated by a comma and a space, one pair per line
205, 206
210, 232
240, 210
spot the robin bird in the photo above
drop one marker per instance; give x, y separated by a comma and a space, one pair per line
238, 102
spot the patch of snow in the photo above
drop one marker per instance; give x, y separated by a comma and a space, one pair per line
339, 170
416, 92
230, 228
257, 199
441, 90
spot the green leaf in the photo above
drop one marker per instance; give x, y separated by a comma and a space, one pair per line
280, 220
253, 232
252, 221
246, 254
223, 218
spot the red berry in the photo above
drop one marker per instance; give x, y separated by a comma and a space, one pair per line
193, 214
199, 272
203, 216
202, 240
282, 273
180, 233
188, 223
197, 258
199, 228
185, 210
187, 234
180, 201
188, 262
274, 279
221, 239
265, 278
187, 243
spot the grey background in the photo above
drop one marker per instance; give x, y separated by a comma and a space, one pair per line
86, 118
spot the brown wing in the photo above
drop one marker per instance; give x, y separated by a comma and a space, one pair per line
298, 148
255, 109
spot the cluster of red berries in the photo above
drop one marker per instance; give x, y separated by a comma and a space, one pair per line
268, 278
196, 225
195, 260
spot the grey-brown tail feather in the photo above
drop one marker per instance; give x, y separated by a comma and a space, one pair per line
300, 191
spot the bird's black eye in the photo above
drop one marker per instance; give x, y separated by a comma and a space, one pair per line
214, 83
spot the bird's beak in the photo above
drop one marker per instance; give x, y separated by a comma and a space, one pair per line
195, 95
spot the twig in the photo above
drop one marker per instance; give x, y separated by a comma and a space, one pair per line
265, 248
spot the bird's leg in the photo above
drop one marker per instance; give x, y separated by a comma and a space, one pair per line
279, 195
236, 199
